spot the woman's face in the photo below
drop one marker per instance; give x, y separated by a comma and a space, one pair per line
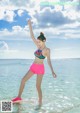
40, 43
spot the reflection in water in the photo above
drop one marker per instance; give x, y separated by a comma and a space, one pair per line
31, 107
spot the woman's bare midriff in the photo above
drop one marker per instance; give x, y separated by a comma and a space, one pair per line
38, 61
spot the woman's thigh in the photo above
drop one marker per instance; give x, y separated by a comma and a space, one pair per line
39, 80
28, 75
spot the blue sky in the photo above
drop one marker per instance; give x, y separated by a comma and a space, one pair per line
58, 19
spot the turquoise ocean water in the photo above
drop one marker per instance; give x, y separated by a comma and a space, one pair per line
60, 95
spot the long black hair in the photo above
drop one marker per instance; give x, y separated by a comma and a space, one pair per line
41, 37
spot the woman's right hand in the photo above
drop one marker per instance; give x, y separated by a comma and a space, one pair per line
54, 75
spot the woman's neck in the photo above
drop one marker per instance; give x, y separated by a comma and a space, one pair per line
42, 47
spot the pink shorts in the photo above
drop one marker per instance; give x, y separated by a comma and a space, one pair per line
37, 68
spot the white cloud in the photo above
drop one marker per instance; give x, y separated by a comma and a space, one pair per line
58, 8
73, 4
56, 16
72, 35
2, 13
5, 33
66, 53
17, 33
16, 28
7, 15
32, 7
58, 22
71, 25
4, 45
48, 17
20, 12
72, 14
16, 54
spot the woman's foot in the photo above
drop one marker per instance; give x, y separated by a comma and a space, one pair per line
16, 99
38, 107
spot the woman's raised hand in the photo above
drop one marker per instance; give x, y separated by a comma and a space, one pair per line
29, 21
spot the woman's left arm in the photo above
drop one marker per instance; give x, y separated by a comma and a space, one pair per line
49, 62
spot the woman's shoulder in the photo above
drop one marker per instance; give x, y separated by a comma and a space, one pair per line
47, 50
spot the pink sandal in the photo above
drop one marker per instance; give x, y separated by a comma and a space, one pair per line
16, 99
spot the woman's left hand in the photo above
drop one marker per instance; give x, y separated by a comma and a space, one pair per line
54, 75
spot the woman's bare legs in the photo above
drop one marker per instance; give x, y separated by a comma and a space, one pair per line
38, 86
27, 76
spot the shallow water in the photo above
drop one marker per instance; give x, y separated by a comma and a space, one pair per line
60, 95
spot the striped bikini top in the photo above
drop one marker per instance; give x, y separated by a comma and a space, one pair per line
38, 53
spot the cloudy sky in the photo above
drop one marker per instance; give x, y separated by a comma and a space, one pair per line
58, 19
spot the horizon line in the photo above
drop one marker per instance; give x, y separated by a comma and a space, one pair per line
33, 58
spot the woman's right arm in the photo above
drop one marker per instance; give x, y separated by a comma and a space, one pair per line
31, 32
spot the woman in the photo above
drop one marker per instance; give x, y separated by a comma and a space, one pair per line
37, 66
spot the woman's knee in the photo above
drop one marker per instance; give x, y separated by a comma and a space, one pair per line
23, 80
38, 87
